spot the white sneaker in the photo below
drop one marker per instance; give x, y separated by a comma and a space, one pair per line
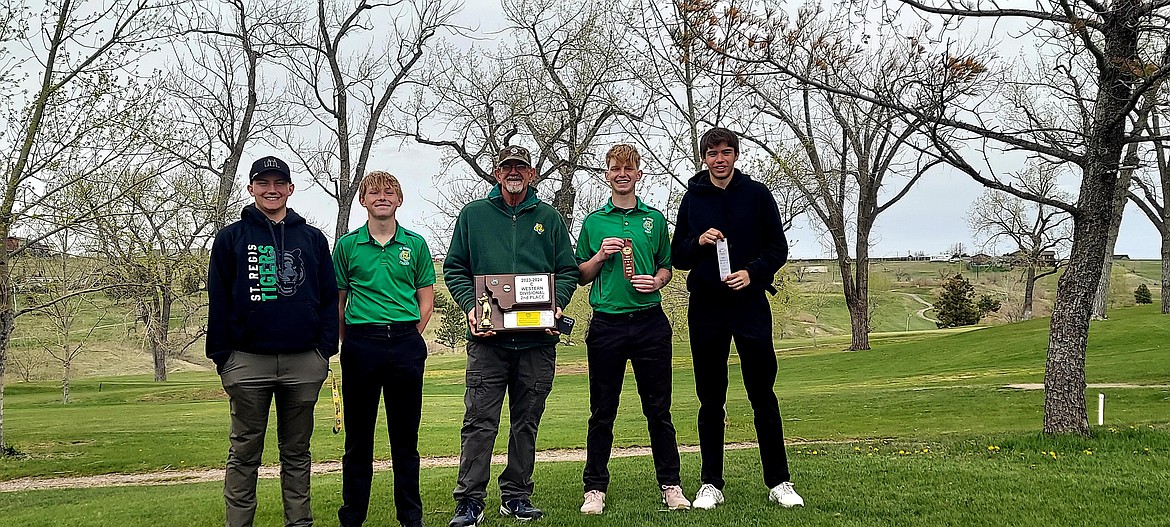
707, 497
594, 502
785, 495
674, 499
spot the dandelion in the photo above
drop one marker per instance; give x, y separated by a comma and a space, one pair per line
857, 449
814, 452
926, 451
1053, 454
992, 448
1088, 452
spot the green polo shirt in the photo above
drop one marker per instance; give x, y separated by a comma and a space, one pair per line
611, 292
381, 280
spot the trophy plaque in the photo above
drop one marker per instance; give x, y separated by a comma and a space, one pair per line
628, 258
515, 302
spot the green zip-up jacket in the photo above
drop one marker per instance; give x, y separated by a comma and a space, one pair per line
491, 237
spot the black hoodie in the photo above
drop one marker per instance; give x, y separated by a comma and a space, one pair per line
746, 213
271, 288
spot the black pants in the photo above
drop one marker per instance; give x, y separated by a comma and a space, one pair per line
643, 339
388, 361
714, 322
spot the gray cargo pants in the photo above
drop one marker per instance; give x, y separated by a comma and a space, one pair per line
251, 382
527, 376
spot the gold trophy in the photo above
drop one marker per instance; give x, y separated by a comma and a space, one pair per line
485, 317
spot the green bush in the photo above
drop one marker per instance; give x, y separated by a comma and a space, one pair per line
452, 321
956, 305
1142, 295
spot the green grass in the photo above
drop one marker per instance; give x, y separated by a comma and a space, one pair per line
902, 434
919, 384
1116, 478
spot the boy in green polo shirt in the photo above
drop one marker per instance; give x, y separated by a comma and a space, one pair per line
624, 250
386, 282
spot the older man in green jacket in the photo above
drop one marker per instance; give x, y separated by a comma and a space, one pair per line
509, 231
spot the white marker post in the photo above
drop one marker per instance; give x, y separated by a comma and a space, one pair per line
1100, 409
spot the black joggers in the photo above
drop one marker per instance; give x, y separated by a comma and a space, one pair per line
714, 322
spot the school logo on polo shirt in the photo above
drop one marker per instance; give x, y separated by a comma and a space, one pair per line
539, 228
404, 256
648, 224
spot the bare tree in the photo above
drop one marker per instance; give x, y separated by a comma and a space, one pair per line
345, 84
860, 156
155, 238
670, 62
217, 82
1117, 38
69, 115
1110, 35
556, 84
465, 109
67, 273
1150, 195
1125, 177
1034, 229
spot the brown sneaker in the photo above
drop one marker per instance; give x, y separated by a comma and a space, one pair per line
594, 502
674, 499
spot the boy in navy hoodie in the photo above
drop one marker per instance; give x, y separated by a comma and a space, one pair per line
271, 328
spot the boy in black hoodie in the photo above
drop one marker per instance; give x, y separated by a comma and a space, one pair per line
724, 204
271, 328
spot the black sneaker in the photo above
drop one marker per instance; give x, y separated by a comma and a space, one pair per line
521, 509
468, 513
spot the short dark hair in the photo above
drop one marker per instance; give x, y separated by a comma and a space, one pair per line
717, 136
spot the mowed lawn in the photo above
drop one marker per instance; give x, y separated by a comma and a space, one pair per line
899, 435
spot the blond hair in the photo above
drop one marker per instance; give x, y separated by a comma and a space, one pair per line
624, 154
379, 179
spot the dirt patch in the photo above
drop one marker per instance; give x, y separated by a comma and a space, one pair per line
1040, 386
573, 368
177, 477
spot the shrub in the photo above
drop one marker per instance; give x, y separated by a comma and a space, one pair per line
956, 306
452, 322
1142, 295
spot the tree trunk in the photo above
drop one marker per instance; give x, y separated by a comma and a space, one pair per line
1064, 373
7, 323
344, 204
1101, 297
856, 300
159, 353
859, 321
66, 366
223, 194
1165, 276
157, 332
1029, 291
565, 197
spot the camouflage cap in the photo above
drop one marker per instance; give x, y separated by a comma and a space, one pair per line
513, 152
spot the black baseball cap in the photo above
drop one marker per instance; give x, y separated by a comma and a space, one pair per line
268, 164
